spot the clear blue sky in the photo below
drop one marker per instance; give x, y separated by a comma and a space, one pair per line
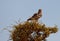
12, 10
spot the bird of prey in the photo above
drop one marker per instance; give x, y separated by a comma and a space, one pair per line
36, 16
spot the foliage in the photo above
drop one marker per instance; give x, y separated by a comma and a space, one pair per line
31, 31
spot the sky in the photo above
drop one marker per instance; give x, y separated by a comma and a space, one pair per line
13, 10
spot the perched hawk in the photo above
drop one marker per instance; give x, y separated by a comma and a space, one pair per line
36, 16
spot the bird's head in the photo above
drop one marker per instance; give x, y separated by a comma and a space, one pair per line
39, 11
